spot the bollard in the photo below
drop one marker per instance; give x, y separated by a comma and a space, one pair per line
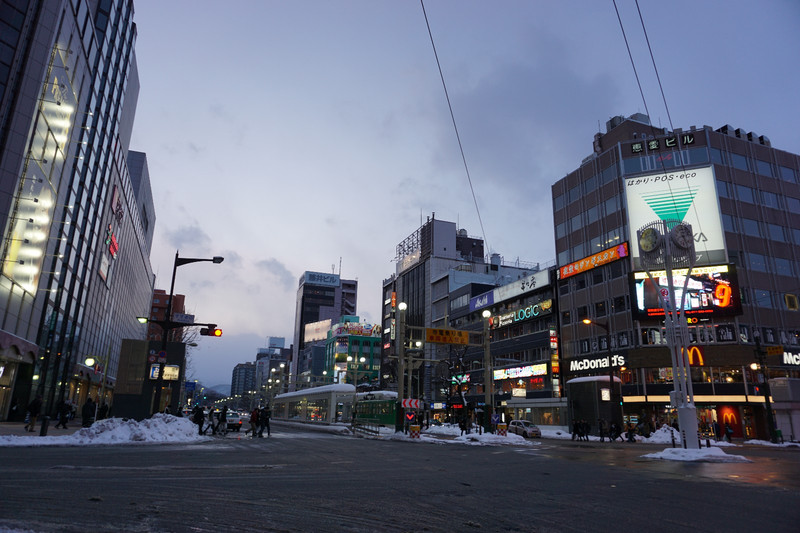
502, 430
45, 423
413, 432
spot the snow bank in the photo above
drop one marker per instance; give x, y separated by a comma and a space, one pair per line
708, 455
160, 428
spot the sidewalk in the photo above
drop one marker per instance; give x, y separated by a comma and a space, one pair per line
18, 428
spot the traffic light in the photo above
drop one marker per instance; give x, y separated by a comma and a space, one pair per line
211, 331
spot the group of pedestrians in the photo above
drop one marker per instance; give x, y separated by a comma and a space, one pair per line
259, 421
580, 430
64, 412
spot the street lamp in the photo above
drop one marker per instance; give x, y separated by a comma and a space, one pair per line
488, 379
401, 363
91, 361
168, 325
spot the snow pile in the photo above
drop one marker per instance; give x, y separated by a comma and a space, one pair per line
775, 445
493, 439
160, 428
708, 455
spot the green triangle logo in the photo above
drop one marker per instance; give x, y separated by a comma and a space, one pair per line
671, 205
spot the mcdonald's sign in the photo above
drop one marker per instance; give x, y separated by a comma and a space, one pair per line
694, 355
729, 417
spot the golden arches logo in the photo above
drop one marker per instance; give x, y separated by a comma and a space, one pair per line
694, 355
729, 417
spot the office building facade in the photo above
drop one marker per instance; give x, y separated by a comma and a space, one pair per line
76, 270
742, 199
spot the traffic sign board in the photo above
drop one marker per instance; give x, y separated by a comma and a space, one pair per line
774, 350
495, 418
446, 336
411, 404
183, 318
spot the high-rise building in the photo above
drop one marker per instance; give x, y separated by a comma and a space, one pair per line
320, 296
76, 270
158, 312
243, 379
433, 262
742, 199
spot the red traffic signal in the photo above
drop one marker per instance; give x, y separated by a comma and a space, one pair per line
211, 332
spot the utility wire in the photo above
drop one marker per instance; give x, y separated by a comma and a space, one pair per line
455, 126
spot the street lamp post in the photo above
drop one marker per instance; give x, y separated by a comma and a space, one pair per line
91, 361
401, 363
761, 357
488, 378
168, 325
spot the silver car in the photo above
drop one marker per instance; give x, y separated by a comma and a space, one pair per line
524, 428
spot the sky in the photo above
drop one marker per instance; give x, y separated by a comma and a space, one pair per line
316, 135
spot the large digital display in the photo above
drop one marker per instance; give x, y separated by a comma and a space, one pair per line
710, 291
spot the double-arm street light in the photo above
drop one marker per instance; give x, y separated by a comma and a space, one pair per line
168, 325
762, 364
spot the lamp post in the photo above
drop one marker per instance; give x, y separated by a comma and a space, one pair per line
353, 365
762, 363
168, 325
401, 363
488, 374
91, 361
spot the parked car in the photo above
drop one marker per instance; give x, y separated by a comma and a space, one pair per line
524, 428
234, 421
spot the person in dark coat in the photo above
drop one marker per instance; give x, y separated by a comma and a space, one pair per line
64, 411
88, 412
263, 420
34, 408
222, 425
102, 411
199, 418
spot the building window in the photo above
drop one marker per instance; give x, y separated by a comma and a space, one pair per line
563, 288
575, 223
787, 174
764, 168
561, 230
583, 312
599, 309
593, 214
792, 204
574, 193
612, 205
776, 232
580, 282
729, 223
566, 317
796, 235
758, 262
762, 298
739, 161
619, 304
558, 202
750, 227
597, 276
770, 199
716, 156
745, 194
783, 267
590, 184
723, 188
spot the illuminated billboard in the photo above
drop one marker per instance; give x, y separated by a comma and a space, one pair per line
316, 331
710, 291
594, 260
689, 196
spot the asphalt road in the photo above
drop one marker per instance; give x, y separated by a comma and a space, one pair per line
299, 480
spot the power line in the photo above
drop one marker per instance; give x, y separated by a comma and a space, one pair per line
455, 126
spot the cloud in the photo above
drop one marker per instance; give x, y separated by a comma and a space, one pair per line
277, 269
187, 236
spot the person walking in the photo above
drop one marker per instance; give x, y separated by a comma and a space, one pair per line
102, 411
211, 424
64, 411
222, 425
601, 426
263, 420
199, 418
253, 422
87, 413
34, 408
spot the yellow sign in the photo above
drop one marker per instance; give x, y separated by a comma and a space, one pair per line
446, 336
774, 350
695, 356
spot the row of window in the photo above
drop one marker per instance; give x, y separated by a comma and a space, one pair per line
619, 304
586, 186
753, 196
755, 228
757, 166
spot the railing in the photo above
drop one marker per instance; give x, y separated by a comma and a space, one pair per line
367, 426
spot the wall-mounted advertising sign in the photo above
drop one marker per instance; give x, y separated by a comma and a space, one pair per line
320, 278
596, 363
446, 336
521, 371
316, 331
511, 290
599, 259
689, 196
357, 328
525, 313
710, 291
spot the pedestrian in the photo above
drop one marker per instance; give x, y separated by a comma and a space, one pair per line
102, 411
601, 426
64, 411
87, 413
253, 422
211, 424
222, 425
34, 408
728, 431
198, 418
717, 434
263, 420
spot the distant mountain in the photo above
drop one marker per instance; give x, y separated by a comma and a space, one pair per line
223, 389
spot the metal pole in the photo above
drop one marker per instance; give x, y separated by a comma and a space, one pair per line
488, 378
401, 360
764, 372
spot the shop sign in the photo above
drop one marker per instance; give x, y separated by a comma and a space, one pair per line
599, 259
694, 355
521, 371
614, 361
519, 393
790, 358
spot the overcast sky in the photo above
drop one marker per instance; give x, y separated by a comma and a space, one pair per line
294, 136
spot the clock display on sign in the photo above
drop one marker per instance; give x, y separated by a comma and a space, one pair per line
649, 239
682, 236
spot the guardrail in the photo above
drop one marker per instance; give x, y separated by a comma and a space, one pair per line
366, 426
